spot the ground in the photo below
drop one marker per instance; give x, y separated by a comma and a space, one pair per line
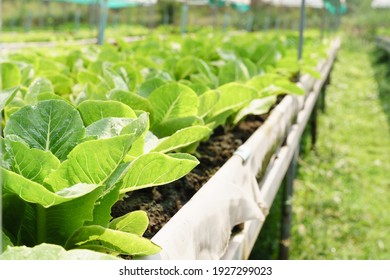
342, 192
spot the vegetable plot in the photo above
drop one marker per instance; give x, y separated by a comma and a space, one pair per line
60, 179
81, 129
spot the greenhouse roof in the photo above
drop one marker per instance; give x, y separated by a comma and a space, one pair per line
319, 4
380, 4
330, 5
196, 2
296, 3
239, 5
113, 4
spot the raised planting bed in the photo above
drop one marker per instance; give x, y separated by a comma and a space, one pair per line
227, 197
241, 244
88, 133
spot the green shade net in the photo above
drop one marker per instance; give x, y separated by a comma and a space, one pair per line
331, 7
240, 7
111, 4
237, 6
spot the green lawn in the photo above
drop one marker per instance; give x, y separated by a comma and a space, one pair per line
342, 192
341, 202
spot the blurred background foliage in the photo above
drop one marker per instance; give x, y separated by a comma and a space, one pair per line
27, 15
330, 185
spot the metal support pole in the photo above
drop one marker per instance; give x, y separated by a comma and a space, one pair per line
127, 16
288, 185
137, 15
322, 99
144, 16
214, 10
323, 94
338, 15
77, 21
166, 16
267, 23
91, 11
301, 30
29, 21
102, 21
115, 19
313, 125
151, 16
277, 25
1, 28
281, 23
249, 25
323, 20
64, 17
49, 19
42, 18
94, 15
184, 15
13, 23
226, 19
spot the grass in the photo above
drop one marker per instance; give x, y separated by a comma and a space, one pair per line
342, 191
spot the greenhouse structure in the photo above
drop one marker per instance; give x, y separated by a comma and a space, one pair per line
155, 130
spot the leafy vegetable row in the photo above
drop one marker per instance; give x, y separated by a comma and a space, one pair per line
84, 127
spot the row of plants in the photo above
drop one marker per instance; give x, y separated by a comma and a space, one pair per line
83, 127
70, 33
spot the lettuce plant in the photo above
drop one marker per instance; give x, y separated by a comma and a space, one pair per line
52, 252
63, 168
85, 127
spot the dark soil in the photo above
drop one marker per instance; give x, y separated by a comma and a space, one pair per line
162, 202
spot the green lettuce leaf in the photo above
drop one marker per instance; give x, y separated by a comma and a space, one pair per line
128, 74
94, 110
135, 222
132, 100
62, 84
256, 107
175, 106
51, 125
31, 163
85, 76
233, 97
147, 87
37, 87
233, 71
36, 215
10, 75
154, 169
5, 242
111, 127
182, 138
6, 96
111, 241
52, 252
207, 102
91, 162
